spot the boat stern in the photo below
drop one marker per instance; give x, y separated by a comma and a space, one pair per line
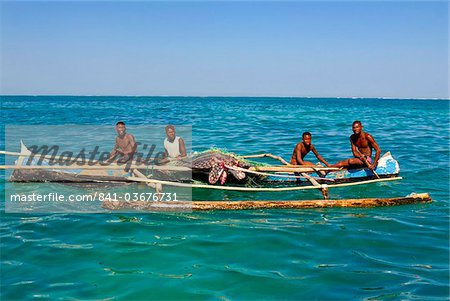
387, 165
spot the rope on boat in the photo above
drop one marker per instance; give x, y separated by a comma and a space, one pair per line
234, 188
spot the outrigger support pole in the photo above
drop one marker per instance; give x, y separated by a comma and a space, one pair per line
324, 191
157, 186
323, 188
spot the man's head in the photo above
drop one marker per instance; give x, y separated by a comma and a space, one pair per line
357, 127
170, 132
306, 137
120, 128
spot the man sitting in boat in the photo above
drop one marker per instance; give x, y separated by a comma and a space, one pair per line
125, 145
173, 145
302, 149
362, 144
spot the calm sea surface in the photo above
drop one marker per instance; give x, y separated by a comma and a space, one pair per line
393, 253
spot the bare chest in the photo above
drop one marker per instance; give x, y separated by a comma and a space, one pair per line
361, 142
122, 142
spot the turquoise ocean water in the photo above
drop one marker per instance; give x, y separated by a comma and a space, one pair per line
393, 253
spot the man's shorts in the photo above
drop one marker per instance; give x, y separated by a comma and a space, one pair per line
369, 159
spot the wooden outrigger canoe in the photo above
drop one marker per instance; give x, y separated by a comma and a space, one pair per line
40, 170
271, 178
387, 170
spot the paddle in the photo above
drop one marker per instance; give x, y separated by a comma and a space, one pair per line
363, 158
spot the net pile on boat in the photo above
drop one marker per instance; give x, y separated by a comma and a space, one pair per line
217, 166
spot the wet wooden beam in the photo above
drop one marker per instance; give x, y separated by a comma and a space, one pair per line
257, 205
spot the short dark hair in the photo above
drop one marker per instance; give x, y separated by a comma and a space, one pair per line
170, 127
356, 122
306, 134
120, 123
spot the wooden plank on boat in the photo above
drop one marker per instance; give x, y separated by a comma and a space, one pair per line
293, 168
266, 155
97, 167
258, 205
257, 189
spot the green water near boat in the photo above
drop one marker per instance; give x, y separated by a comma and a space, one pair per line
379, 253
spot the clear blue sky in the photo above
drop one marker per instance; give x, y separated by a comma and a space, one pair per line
342, 49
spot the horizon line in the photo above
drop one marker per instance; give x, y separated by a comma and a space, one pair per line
222, 96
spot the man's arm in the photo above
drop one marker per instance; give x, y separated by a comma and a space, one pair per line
165, 157
319, 157
182, 148
355, 150
132, 144
113, 153
374, 144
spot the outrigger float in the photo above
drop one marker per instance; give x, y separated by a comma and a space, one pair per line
258, 205
216, 170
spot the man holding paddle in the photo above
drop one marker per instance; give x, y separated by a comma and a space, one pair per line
362, 145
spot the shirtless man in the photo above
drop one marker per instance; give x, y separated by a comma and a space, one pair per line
125, 144
302, 149
362, 145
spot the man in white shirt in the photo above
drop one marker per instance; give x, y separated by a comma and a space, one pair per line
174, 146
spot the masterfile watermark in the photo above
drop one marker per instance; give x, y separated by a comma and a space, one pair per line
53, 155
51, 197
90, 168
